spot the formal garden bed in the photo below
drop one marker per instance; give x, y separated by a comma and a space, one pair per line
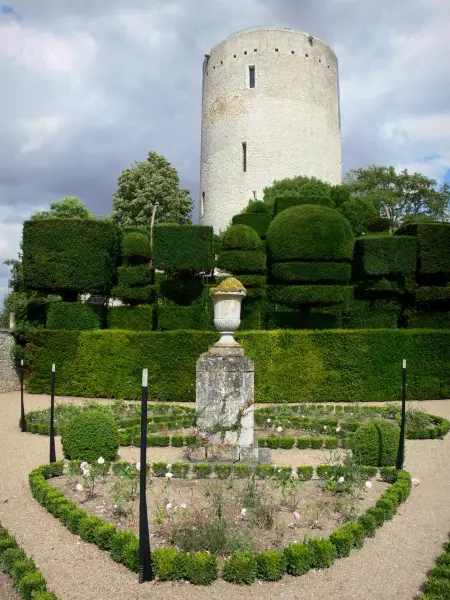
226, 527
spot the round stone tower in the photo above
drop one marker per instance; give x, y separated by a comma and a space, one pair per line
270, 110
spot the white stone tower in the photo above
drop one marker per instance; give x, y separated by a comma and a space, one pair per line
270, 110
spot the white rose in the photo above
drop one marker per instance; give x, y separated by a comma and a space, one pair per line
368, 484
168, 506
243, 512
341, 480
279, 429
84, 465
269, 420
79, 487
138, 466
169, 475
101, 460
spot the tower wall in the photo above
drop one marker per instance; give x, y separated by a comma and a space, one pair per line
289, 120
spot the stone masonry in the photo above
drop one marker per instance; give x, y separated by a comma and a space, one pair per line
9, 379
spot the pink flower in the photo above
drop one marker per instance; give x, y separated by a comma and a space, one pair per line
296, 516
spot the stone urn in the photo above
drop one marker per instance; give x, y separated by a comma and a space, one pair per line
227, 298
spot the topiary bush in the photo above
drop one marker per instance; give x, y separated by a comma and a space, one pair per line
323, 553
298, 558
73, 315
310, 233
270, 565
375, 443
241, 237
240, 568
89, 435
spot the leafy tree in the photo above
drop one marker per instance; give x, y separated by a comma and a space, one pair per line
400, 196
359, 212
69, 207
144, 184
292, 187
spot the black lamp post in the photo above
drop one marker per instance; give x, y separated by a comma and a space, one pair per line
23, 422
145, 564
401, 443
52, 418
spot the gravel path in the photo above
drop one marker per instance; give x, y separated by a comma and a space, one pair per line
7, 591
391, 566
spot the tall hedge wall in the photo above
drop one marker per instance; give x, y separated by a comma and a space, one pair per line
183, 248
258, 221
290, 366
70, 255
433, 248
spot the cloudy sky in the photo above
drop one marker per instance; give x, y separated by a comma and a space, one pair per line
88, 86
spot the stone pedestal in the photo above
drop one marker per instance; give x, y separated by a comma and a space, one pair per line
224, 398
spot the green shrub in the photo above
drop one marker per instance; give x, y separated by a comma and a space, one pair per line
31, 582
135, 276
242, 261
185, 317
298, 558
378, 255
130, 555
374, 314
316, 443
135, 318
89, 435
242, 471
240, 568
21, 568
10, 557
73, 315
144, 294
334, 360
104, 535
223, 471
240, 237
6, 544
309, 272
88, 529
310, 233
357, 533
389, 474
265, 471
323, 553
270, 565
438, 586
177, 441
297, 295
369, 524
272, 442
74, 518
161, 441
180, 470
136, 245
375, 443
378, 514
200, 568
331, 442
69, 256
258, 221
432, 249
118, 544
342, 540
387, 505
168, 564
303, 442
202, 470
305, 473
159, 469
287, 442
187, 248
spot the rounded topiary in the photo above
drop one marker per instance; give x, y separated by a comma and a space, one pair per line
136, 244
375, 443
241, 237
89, 435
257, 207
310, 233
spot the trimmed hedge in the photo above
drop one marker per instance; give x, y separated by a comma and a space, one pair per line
370, 314
241, 237
135, 295
437, 585
242, 261
325, 272
135, 318
136, 247
291, 366
70, 255
73, 315
90, 435
258, 221
170, 318
310, 233
135, 276
378, 255
422, 319
183, 248
296, 295
375, 443
433, 247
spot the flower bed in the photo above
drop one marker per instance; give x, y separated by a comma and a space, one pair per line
238, 566
25, 576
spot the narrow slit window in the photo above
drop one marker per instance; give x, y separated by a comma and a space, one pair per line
251, 76
244, 156
202, 206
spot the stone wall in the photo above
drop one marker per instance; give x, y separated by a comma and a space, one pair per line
286, 125
9, 379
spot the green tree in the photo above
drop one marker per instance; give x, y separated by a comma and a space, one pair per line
145, 184
400, 196
69, 207
359, 212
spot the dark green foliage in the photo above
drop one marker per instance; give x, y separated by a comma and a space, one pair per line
184, 292
258, 221
135, 276
144, 294
342, 540
331, 443
136, 247
257, 207
10, 557
356, 531
298, 558
159, 441
202, 470
177, 441
240, 568
70, 255
88, 528
30, 584
135, 318
389, 474
432, 249
183, 248
279, 316
130, 555
242, 261
323, 553
298, 295
168, 564
223, 471
339, 194
325, 272
270, 565
310, 233
294, 366
287, 442
73, 315
375, 443
200, 568
425, 319
159, 469
119, 543
369, 524
171, 318
370, 314
104, 536
432, 294
377, 514
180, 470
378, 255
303, 442
242, 471
89, 435
378, 225
240, 237
305, 473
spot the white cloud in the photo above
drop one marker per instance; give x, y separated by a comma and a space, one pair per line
39, 131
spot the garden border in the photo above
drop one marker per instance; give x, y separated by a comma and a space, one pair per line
201, 568
437, 585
